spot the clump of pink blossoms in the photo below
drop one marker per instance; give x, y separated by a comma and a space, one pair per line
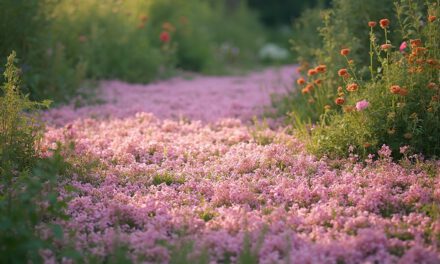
362, 105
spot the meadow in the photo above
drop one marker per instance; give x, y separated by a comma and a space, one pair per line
185, 132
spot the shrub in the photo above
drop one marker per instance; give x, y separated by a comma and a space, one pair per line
392, 101
49, 73
28, 199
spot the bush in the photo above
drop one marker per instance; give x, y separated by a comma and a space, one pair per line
24, 27
392, 101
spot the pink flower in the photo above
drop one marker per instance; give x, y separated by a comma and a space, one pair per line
361, 105
403, 47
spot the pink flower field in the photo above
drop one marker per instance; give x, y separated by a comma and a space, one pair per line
176, 171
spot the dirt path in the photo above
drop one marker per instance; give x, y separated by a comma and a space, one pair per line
200, 98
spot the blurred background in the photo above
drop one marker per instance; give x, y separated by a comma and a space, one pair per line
63, 43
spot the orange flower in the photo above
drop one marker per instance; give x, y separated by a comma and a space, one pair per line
385, 46
165, 37
403, 91
342, 72
301, 81
312, 72
340, 89
340, 101
321, 68
345, 52
352, 87
415, 43
431, 18
318, 82
372, 24
395, 89
420, 51
432, 85
307, 89
431, 61
384, 23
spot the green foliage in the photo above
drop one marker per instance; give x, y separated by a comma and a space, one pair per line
28, 198
401, 87
64, 42
24, 27
19, 129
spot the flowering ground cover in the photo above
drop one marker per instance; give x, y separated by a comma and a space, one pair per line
175, 173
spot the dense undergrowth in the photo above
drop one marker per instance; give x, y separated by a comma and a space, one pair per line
370, 81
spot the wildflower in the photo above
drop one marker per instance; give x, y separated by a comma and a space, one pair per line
318, 82
165, 37
432, 85
431, 62
403, 47
312, 72
345, 52
415, 43
307, 89
367, 145
403, 149
384, 23
372, 24
430, 109
301, 81
403, 91
435, 98
340, 101
342, 72
385, 46
431, 18
351, 62
339, 89
395, 89
321, 68
352, 87
141, 25
304, 91
362, 105
327, 107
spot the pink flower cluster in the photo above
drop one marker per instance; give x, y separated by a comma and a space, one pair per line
161, 183
156, 183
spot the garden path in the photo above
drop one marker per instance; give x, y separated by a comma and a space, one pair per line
205, 98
